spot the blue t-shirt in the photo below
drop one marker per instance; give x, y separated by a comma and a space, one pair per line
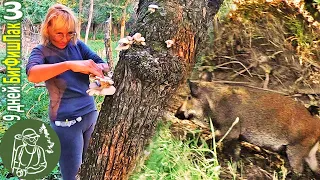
67, 91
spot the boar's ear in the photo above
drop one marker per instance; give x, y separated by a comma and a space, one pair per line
194, 88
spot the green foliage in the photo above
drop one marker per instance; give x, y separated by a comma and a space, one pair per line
224, 9
3, 171
297, 28
35, 10
99, 35
98, 47
303, 38
72, 4
103, 9
35, 100
171, 159
2, 13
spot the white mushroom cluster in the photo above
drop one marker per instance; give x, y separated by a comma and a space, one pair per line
169, 43
126, 42
152, 8
101, 86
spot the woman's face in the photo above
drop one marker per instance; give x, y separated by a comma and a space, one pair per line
59, 33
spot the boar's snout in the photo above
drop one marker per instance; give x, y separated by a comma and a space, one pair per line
183, 114
191, 108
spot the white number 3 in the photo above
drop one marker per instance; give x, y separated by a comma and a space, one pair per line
16, 10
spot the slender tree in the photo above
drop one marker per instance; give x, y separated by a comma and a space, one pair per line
123, 18
89, 22
79, 17
145, 78
107, 41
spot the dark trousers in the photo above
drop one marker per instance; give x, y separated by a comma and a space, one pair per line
74, 144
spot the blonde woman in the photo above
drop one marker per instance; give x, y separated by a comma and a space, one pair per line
64, 63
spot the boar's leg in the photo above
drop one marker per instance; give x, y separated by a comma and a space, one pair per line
230, 137
296, 154
311, 159
233, 149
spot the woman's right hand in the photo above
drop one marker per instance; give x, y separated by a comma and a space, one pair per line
85, 67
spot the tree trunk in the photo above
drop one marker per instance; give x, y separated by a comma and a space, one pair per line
79, 19
107, 41
123, 19
115, 30
95, 29
89, 22
145, 77
123, 24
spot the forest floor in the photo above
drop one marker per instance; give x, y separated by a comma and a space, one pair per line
270, 46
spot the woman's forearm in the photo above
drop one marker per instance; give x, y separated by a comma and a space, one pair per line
43, 72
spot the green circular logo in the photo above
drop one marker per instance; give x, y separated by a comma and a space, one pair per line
30, 149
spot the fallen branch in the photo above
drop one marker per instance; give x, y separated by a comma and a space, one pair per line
307, 91
242, 71
232, 82
233, 62
225, 135
247, 84
270, 90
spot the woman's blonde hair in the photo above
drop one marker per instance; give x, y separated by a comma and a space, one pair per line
54, 12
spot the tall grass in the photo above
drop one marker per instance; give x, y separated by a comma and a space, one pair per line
172, 159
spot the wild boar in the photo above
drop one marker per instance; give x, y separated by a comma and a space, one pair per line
266, 119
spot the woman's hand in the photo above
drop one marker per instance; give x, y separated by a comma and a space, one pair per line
85, 67
43, 72
104, 67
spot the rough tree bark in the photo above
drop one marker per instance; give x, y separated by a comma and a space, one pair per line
145, 78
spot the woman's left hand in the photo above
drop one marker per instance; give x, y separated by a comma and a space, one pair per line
104, 67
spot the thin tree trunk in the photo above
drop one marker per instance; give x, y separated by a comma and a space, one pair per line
115, 30
145, 77
107, 41
79, 19
123, 24
89, 22
95, 29
123, 19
